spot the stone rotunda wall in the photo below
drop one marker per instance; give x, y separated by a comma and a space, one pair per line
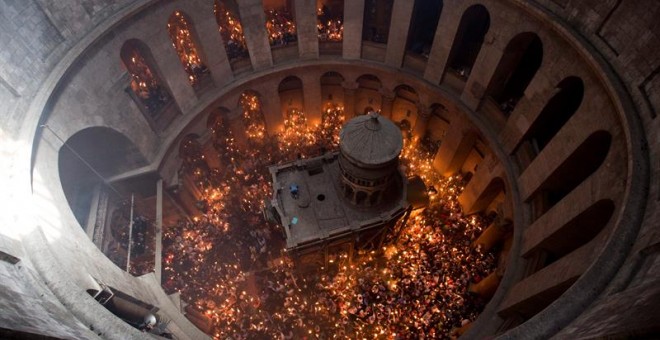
61, 67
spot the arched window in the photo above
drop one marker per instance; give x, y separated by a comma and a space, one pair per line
84, 153
330, 25
367, 94
556, 112
146, 86
404, 107
184, 41
425, 17
290, 91
376, 20
437, 128
253, 117
494, 189
468, 40
516, 69
576, 168
577, 232
332, 90
280, 22
231, 30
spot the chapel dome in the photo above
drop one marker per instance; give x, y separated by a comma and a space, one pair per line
371, 140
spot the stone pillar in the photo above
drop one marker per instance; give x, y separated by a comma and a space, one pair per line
387, 101
422, 121
350, 89
93, 212
398, 36
171, 71
253, 20
487, 286
158, 264
445, 34
455, 147
482, 72
353, 15
312, 97
486, 184
212, 48
493, 234
308, 39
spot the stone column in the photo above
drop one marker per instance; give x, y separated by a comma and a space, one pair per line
171, 71
442, 42
253, 20
312, 97
487, 286
484, 68
353, 15
93, 212
350, 89
308, 39
398, 36
212, 48
486, 184
455, 147
387, 102
422, 121
158, 264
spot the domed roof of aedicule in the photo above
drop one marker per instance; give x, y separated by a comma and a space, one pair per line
371, 139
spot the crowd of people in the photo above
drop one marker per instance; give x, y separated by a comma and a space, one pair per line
231, 31
281, 27
330, 24
230, 263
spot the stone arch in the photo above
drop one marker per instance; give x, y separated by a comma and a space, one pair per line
576, 168
437, 127
85, 161
251, 105
332, 90
367, 94
496, 187
147, 87
470, 35
404, 106
376, 20
566, 100
217, 116
521, 60
228, 19
185, 41
290, 90
424, 22
577, 232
